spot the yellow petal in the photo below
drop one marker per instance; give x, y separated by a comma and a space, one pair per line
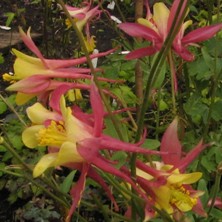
29, 137
188, 178
143, 174
163, 198
22, 98
26, 66
68, 154
160, 17
148, 24
37, 113
185, 25
44, 163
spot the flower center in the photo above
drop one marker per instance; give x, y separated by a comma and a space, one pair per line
180, 197
52, 135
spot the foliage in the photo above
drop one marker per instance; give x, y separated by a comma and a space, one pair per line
100, 179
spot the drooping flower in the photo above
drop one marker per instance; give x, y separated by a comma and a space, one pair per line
33, 74
166, 182
82, 17
74, 141
155, 28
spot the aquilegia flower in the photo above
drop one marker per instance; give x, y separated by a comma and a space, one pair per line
82, 17
166, 183
155, 28
34, 74
74, 141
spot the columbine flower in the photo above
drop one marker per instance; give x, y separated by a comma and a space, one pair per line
82, 17
175, 194
155, 29
166, 183
74, 141
34, 74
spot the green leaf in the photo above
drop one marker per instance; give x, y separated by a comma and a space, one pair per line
2, 166
216, 111
202, 185
111, 131
196, 109
216, 213
207, 164
3, 106
16, 140
120, 157
2, 148
207, 58
199, 69
67, 183
151, 144
10, 16
125, 94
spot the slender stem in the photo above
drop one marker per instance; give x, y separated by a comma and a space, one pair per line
216, 188
26, 166
101, 207
26, 176
119, 10
157, 117
11, 173
154, 72
173, 81
15, 154
13, 110
138, 71
139, 92
81, 39
54, 196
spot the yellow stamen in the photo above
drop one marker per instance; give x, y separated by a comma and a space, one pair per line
180, 197
53, 135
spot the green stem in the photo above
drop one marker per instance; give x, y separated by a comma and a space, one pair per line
81, 39
13, 110
11, 173
216, 188
29, 178
101, 207
26, 166
17, 157
54, 196
173, 75
119, 10
154, 72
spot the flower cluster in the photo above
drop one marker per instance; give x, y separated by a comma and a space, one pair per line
76, 139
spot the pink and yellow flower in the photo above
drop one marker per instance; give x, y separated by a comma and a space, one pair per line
155, 28
33, 76
73, 141
82, 18
166, 183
